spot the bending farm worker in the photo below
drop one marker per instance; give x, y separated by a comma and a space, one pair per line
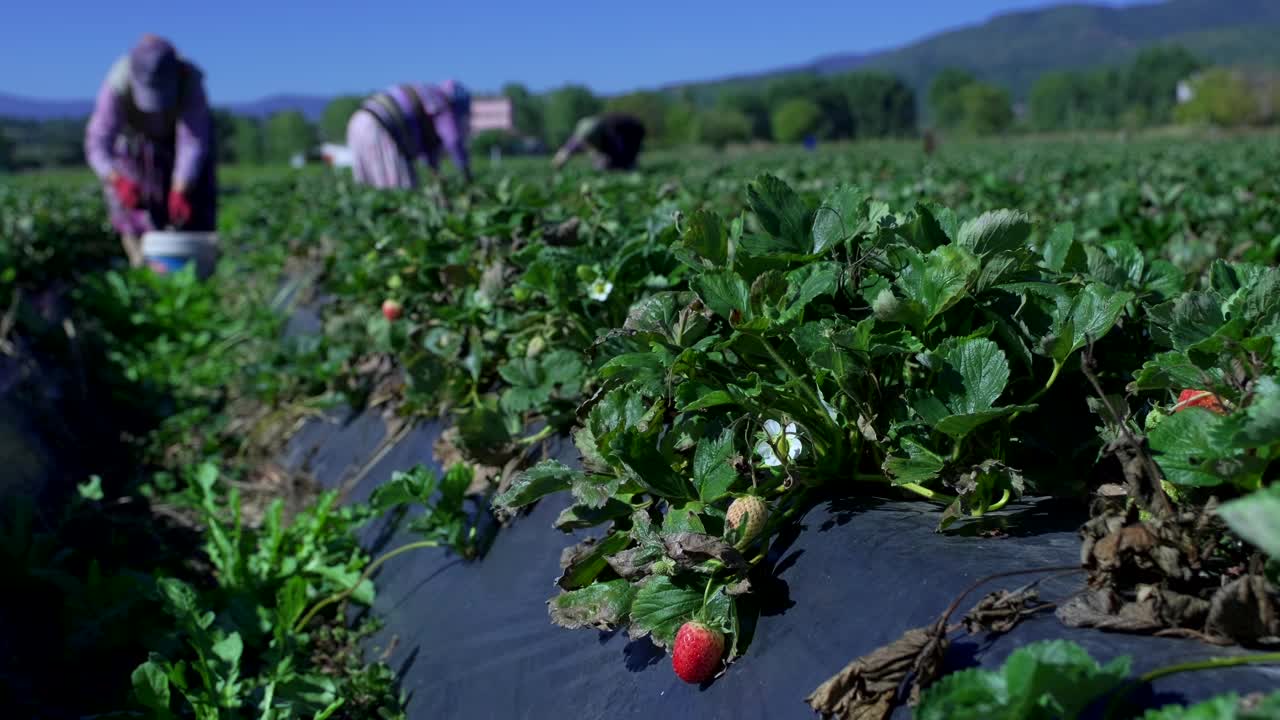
615, 139
394, 128
150, 140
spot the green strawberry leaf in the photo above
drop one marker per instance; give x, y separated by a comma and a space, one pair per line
926, 230
806, 284
1093, 312
704, 242
404, 488
840, 216
151, 686
1259, 424
725, 293
683, 520
983, 372
1189, 448
229, 649
1040, 681
545, 478
958, 426
932, 284
920, 466
582, 563
651, 469
1172, 371
1061, 248
1164, 279
1180, 324
532, 382
782, 214
1256, 518
713, 471
995, 231
661, 606
1223, 707
580, 517
593, 491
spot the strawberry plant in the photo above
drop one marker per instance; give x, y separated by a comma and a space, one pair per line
855, 321
828, 347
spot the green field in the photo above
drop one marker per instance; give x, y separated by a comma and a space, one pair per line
1000, 320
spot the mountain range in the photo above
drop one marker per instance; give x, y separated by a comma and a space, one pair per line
17, 106
1014, 49
1011, 50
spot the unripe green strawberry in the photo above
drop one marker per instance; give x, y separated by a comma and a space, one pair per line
753, 510
697, 652
886, 306
1154, 418
536, 345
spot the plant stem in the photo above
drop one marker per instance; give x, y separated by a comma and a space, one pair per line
344, 594
542, 434
1053, 377
810, 395
927, 493
913, 487
1116, 704
1210, 664
1004, 500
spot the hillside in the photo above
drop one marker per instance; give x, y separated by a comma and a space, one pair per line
1014, 49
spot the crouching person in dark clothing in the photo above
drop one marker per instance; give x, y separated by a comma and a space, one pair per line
614, 139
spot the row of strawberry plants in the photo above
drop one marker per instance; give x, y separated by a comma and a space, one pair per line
794, 349
184, 582
905, 343
844, 344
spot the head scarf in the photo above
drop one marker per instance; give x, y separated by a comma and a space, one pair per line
154, 71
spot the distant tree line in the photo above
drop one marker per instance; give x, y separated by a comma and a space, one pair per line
1142, 94
30, 144
787, 109
839, 107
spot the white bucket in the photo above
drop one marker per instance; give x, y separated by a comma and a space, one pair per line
170, 251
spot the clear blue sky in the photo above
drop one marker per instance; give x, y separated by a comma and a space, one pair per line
61, 49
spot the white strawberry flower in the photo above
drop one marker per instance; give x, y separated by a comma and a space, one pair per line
779, 442
599, 290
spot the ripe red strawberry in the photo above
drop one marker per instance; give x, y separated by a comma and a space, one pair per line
753, 510
1201, 399
697, 652
391, 309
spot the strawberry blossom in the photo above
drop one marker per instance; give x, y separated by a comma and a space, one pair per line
780, 442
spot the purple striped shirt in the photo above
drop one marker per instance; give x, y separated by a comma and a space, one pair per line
453, 136
191, 133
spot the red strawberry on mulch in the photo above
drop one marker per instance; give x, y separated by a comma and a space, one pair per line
697, 652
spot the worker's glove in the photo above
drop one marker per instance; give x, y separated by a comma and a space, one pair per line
127, 191
179, 209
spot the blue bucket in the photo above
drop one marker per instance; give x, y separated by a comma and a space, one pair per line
170, 252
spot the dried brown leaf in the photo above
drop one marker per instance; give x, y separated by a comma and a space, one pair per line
634, 563
867, 688
1244, 611
690, 549
1000, 611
